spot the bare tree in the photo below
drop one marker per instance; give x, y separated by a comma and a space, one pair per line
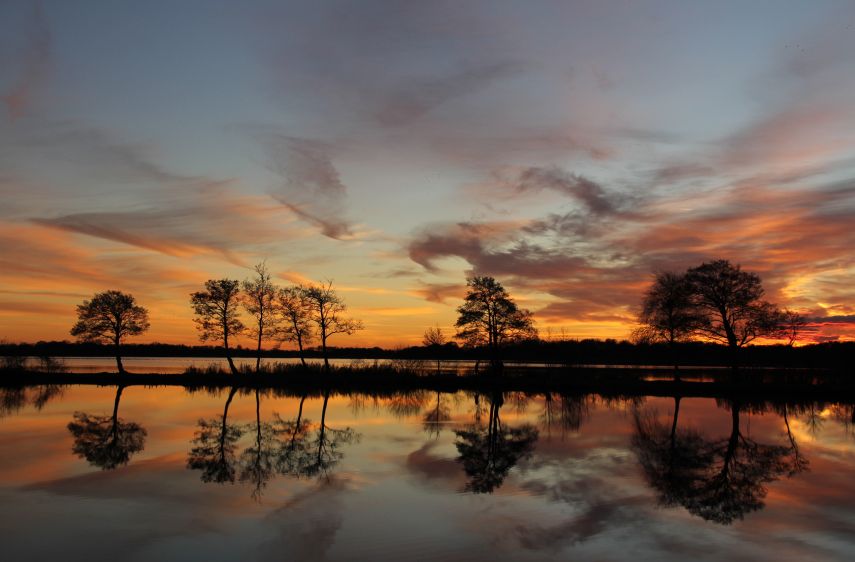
295, 308
488, 314
790, 327
730, 301
259, 300
216, 310
110, 317
327, 313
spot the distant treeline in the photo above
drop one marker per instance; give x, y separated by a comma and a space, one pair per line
565, 352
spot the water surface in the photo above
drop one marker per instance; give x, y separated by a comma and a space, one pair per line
159, 473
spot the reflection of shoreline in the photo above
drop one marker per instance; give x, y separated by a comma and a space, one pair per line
755, 385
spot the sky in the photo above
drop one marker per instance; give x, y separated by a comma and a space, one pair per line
569, 149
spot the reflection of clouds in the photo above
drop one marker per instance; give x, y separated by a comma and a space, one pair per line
306, 525
433, 469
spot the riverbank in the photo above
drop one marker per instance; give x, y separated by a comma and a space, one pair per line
753, 383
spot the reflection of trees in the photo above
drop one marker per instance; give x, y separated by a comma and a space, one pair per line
324, 448
406, 404
12, 400
438, 413
287, 447
106, 441
258, 461
719, 480
293, 454
214, 446
565, 412
488, 454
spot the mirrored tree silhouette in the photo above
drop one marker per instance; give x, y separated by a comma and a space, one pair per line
214, 446
720, 480
325, 447
488, 453
258, 460
564, 412
437, 414
106, 441
406, 404
294, 453
12, 399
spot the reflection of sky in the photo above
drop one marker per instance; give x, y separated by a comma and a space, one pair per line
569, 149
397, 492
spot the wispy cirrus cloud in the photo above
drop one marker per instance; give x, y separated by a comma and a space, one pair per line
310, 185
34, 63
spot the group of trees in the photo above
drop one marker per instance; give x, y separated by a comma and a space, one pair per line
297, 314
715, 301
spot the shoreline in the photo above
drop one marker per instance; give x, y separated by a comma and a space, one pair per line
793, 383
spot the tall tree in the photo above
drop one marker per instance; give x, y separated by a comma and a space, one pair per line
730, 301
217, 314
488, 314
327, 313
668, 313
259, 300
110, 317
296, 309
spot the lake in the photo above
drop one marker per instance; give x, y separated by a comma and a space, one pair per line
167, 474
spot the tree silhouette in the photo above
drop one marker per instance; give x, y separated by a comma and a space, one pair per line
327, 313
295, 309
488, 454
668, 313
434, 338
110, 317
720, 480
216, 310
259, 300
790, 325
730, 301
214, 446
106, 441
489, 315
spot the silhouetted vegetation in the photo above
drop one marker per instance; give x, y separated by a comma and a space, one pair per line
327, 313
719, 480
110, 316
489, 317
488, 453
106, 441
216, 313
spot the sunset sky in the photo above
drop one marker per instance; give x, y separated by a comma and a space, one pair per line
570, 149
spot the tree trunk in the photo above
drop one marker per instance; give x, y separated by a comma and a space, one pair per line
324, 348
229, 355
119, 358
300, 346
258, 352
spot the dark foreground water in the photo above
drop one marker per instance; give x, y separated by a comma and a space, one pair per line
164, 474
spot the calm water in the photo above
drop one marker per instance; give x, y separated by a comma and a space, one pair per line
161, 475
